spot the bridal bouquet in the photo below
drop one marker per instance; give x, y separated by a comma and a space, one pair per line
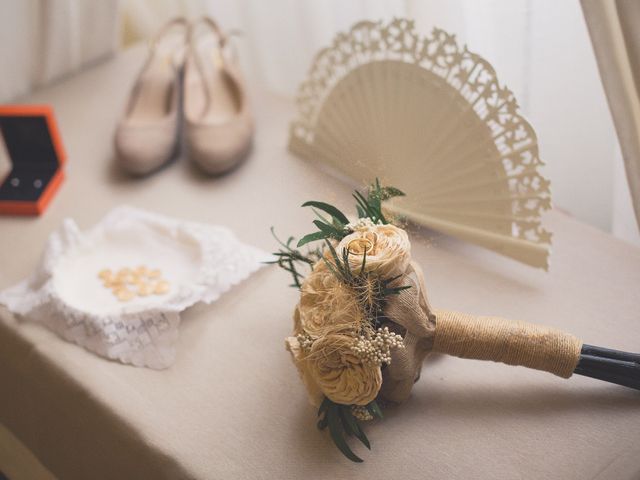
363, 325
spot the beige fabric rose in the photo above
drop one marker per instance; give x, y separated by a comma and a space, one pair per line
341, 375
327, 305
330, 314
387, 248
297, 355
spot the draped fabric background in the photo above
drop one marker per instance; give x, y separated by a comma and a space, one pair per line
614, 26
43, 40
540, 49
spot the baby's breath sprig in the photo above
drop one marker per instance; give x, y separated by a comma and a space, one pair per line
361, 413
359, 224
377, 348
304, 340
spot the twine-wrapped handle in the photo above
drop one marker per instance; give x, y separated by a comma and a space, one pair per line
491, 338
506, 341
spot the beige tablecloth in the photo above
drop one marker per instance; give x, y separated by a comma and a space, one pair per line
232, 405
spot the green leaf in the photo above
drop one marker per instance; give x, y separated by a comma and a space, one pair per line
312, 237
330, 230
322, 411
273, 233
324, 405
345, 262
322, 423
371, 205
330, 209
363, 204
332, 268
361, 212
337, 264
336, 434
332, 250
351, 423
392, 279
339, 226
374, 194
374, 410
343, 418
321, 217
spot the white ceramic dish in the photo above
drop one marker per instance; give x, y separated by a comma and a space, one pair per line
199, 261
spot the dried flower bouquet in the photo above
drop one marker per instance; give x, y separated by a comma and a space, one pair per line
363, 325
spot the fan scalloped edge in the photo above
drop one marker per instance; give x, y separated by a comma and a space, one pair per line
515, 183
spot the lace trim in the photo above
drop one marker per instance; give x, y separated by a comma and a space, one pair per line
142, 338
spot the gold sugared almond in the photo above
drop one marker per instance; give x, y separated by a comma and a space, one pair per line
161, 287
141, 270
124, 295
105, 274
154, 273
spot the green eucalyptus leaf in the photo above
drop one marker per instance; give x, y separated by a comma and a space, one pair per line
339, 226
332, 268
324, 405
312, 237
374, 410
392, 279
345, 423
364, 205
322, 423
330, 209
337, 263
345, 262
330, 230
352, 423
335, 429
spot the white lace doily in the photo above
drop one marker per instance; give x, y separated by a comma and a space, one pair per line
64, 293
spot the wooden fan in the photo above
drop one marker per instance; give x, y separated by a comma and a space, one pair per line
430, 117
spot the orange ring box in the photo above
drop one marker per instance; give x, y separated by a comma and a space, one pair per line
30, 143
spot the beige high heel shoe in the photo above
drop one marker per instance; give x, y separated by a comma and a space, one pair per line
218, 122
147, 136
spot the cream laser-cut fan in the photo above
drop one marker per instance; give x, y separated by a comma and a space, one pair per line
430, 118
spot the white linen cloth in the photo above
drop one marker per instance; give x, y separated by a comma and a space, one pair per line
65, 294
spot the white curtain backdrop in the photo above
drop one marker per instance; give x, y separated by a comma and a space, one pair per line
43, 40
614, 26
